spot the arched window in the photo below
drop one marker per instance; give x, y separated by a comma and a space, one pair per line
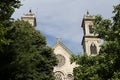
59, 75
90, 29
93, 49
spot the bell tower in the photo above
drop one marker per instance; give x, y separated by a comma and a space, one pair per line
30, 17
90, 41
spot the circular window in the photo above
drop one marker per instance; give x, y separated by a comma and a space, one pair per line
61, 60
70, 77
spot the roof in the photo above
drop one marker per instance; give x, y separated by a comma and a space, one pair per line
29, 14
62, 45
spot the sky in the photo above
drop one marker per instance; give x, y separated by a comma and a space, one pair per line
63, 18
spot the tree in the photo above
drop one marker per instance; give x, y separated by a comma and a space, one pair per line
104, 66
27, 57
7, 7
23, 51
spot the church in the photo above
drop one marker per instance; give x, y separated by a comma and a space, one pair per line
90, 43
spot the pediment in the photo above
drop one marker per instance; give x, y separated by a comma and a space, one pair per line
62, 48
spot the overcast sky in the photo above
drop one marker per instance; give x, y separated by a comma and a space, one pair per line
62, 18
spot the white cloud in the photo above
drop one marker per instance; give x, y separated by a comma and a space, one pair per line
62, 18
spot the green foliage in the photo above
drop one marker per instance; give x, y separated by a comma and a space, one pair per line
7, 8
27, 57
106, 65
23, 51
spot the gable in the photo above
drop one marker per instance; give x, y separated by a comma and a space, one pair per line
60, 48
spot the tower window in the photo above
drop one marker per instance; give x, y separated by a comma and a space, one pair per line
90, 29
93, 49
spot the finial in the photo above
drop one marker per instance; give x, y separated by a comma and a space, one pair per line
59, 39
30, 11
87, 12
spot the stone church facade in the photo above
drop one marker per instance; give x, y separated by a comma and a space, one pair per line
64, 69
90, 42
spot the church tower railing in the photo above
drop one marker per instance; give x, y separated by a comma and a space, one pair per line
30, 17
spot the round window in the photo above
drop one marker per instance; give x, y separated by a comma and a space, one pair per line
61, 60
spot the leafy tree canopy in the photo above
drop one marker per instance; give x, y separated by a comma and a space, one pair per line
104, 66
7, 7
23, 51
27, 57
